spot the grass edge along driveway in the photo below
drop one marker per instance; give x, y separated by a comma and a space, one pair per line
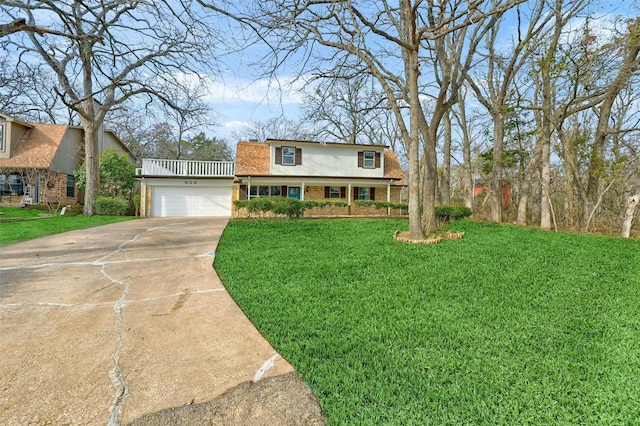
36, 227
507, 326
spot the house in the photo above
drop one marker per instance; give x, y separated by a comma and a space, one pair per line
37, 161
277, 168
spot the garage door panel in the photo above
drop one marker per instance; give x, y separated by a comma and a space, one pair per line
180, 201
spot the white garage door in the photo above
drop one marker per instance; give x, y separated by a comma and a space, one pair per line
171, 201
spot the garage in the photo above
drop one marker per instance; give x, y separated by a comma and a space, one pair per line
191, 200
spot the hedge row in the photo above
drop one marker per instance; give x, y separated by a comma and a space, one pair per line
292, 207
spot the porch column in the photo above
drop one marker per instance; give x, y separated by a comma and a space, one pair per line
143, 199
302, 191
349, 198
389, 198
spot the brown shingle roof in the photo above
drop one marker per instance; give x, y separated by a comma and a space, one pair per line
37, 147
392, 169
252, 159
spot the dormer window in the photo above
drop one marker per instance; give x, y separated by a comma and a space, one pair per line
369, 159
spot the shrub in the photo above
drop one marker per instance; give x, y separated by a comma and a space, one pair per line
288, 206
260, 205
461, 212
321, 204
446, 213
136, 204
109, 206
116, 175
239, 204
291, 207
381, 204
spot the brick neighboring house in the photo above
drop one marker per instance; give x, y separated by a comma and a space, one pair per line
277, 168
37, 161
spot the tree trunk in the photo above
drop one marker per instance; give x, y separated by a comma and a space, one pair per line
632, 203
410, 56
545, 178
466, 158
429, 224
92, 157
526, 189
495, 186
445, 185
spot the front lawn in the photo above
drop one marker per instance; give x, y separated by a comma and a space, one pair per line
35, 227
506, 326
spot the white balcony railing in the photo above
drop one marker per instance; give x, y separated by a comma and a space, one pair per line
157, 167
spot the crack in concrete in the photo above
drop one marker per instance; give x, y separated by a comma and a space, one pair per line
95, 305
96, 262
116, 373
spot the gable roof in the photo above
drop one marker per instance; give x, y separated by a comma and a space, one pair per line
37, 147
252, 159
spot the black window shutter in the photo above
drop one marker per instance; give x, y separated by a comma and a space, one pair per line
284, 191
377, 160
243, 192
298, 156
360, 159
356, 192
327, 193
278, 155
372, 194
343, 192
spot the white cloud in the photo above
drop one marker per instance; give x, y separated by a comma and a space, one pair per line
235, 124
283, 91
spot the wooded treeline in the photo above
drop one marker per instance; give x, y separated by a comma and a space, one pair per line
525, 110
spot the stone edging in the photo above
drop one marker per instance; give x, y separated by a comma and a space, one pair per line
450, 235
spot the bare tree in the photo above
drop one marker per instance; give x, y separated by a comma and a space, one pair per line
345, 108
105, 53
629, 51
460, 115
187, 110
275, 128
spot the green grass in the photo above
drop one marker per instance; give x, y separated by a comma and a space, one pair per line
14, 232
506, 326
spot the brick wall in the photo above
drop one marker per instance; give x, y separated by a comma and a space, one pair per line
313, 193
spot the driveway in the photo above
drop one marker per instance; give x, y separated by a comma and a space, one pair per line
129, 323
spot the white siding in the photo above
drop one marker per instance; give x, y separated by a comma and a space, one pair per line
328, 161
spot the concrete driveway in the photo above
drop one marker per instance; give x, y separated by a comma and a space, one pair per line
129, 323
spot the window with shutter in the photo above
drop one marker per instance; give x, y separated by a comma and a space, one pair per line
288, 156
361, 193
369, 160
